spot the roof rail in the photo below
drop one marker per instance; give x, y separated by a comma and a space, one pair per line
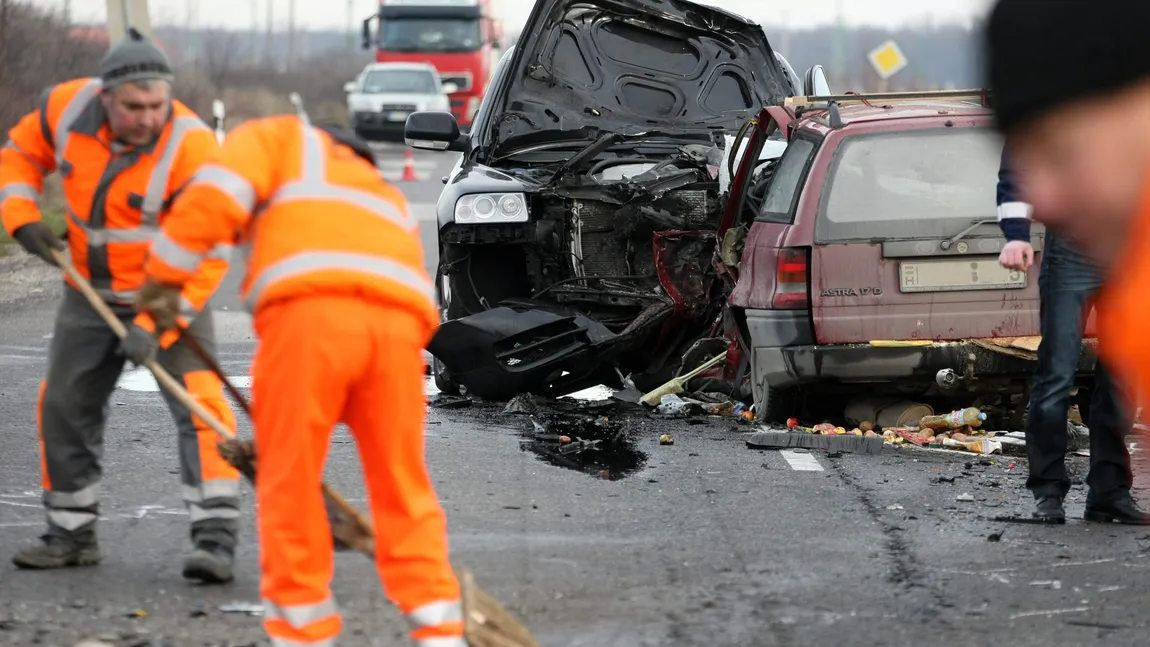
981, 95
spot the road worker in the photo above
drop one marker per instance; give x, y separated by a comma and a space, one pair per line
124, 149
1078, 121
343, 309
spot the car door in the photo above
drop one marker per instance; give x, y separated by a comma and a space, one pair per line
906, 241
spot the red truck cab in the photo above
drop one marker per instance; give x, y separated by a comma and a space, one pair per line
461, 38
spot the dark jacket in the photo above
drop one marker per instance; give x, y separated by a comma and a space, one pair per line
1013, 213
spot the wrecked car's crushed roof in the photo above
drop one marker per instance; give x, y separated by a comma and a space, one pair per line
861, 113
593, 66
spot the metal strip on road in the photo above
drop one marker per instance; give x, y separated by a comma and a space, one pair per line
801, 461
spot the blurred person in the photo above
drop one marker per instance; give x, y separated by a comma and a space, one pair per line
1072, 95
124, 148
1067, 285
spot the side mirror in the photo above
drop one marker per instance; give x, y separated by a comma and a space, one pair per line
367, 33
349, 87
450, 88
815, 83
434, 131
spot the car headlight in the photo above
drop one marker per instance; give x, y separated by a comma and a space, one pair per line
491, 207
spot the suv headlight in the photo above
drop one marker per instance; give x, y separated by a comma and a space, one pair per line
491, 207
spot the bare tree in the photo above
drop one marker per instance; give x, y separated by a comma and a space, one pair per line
222, 48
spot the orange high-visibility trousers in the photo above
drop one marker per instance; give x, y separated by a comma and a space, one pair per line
323, 359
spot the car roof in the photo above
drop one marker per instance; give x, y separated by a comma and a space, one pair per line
877, 114
374, 67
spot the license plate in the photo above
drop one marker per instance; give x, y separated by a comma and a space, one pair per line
397, 116
956, 275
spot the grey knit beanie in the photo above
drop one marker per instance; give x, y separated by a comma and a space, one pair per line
135, 58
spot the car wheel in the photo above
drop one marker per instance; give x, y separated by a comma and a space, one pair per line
777, 405
443, 379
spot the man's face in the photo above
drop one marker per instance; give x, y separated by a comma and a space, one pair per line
1084, 168
137, 114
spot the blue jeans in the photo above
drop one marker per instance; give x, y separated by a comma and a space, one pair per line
1066, 282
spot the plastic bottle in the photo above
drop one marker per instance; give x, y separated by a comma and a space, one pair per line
954, 420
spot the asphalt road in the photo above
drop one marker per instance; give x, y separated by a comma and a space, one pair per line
703, 542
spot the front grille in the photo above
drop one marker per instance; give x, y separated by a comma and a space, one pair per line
397, 107
462, 81
458, 103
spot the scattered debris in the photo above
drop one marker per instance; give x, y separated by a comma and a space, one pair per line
522, 403
444, 401
666, 439
1049, 584
965, 497
94, 643
137, 614
592, 444
895, 506
243, 607
792, 440
996, 536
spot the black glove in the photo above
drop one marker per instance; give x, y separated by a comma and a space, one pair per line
36, 238
139, 345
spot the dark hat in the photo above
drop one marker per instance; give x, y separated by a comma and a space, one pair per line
1045, 53
348, 138
136, 58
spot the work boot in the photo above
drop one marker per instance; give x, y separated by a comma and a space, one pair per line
210, 563
1120, 509
1049, 510
59, 552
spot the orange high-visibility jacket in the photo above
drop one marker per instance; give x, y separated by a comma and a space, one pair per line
310, 217
116, 195
1124, 312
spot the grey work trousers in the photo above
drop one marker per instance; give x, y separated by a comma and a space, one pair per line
83, 368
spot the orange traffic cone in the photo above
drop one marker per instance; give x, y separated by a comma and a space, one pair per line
409, 167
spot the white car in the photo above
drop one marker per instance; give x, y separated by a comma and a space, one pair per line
382, 96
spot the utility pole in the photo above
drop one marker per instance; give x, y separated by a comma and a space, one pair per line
351, 25
68, 12
270, 32
253, 41
291, 35
840, 71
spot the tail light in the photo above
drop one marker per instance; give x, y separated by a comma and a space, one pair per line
792, 280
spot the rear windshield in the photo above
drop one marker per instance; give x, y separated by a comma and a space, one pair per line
399, 82
911, 184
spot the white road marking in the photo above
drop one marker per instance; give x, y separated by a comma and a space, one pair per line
1051, 612
801, 462
21, 505
141, 380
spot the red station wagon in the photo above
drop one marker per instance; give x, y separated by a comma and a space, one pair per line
872, 256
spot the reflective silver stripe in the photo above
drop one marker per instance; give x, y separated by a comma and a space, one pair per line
84, 498
19, 190
187, 308
71, 113
220, 489
101, 237
161, 172
20, 151
229, 183
300, 615
117, 296
299, 191
200, 513
221, 252
70, 519
306, 262
436, 613
441, 642
314, 163
284, 642
169, 251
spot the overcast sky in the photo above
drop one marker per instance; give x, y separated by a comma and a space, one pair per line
334, 14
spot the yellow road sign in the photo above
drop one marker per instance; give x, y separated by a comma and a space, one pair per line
887, 59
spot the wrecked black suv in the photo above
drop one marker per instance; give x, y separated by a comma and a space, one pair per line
577, 233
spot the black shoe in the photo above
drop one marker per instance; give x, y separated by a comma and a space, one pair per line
59, 552
1049, 510
1119, 510
210, 563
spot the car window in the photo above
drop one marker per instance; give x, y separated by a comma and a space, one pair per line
781, 197
399, 81
922, 183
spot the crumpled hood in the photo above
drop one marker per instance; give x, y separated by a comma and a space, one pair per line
633, 66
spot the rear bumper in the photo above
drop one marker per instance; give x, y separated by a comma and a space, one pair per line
785, 354
372, 125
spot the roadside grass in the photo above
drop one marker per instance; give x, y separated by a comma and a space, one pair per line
53, 217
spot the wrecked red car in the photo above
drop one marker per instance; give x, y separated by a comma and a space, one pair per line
872, 259
579, 231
